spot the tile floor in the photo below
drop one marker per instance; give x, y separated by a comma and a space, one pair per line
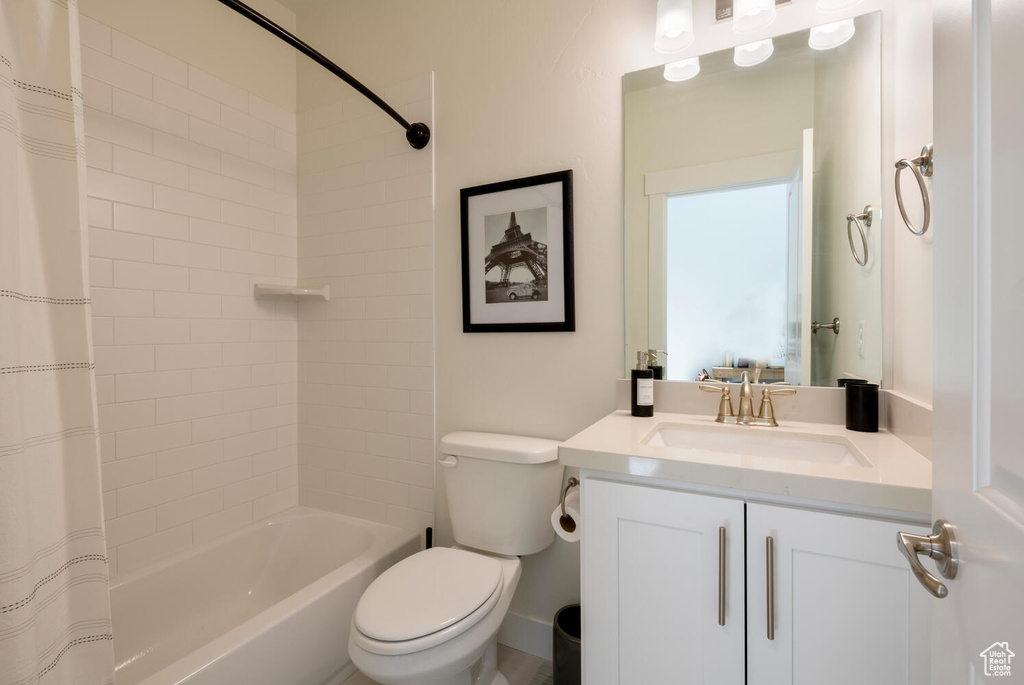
519, 667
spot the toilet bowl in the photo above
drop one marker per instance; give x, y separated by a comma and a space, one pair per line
442, 630
433, 618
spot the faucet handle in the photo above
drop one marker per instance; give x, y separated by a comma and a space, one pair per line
725, 406
767, 413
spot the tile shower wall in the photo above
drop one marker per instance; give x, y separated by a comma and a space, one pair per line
366, 357
192, 186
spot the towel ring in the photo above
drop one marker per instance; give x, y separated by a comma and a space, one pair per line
852, 219
920, 166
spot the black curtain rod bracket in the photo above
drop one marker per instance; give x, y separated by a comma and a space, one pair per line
417, 134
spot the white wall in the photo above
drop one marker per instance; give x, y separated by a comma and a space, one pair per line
527, 87
847, 176
366, 357
910, 278
191, 185
211, 37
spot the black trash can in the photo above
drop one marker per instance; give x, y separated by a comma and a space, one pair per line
567, 650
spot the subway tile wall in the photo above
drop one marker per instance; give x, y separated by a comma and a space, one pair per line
192, 200
366, 357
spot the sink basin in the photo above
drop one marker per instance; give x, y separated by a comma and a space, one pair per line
752, 442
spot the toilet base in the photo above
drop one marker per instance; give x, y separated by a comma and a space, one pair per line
484, 671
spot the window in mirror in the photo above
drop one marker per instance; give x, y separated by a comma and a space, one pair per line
727, 277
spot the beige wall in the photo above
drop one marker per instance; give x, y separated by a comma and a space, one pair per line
522, 88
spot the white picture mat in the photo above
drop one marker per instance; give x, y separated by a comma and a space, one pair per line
528, 311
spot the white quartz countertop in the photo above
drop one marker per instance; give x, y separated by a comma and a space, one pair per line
895, 478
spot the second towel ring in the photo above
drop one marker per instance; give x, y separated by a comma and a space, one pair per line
920, 166
852, 219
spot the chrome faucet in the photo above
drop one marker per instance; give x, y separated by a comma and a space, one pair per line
745, 416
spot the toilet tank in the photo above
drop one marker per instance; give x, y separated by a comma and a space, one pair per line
501, 490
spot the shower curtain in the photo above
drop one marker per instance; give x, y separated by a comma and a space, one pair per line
54, 602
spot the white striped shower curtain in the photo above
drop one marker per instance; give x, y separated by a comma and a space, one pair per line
54, 602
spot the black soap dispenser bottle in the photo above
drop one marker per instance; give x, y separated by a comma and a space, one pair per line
653, 363
642, 389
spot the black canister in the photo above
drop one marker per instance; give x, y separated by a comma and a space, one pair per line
862, 407
843, 382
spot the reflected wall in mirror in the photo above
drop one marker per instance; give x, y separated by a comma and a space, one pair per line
738, 185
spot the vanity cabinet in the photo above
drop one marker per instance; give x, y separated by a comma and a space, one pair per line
845, 608
651, 586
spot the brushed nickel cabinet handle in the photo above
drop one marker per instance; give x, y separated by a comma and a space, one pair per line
770, 566
721, 576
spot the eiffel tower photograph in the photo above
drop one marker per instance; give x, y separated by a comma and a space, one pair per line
516, 267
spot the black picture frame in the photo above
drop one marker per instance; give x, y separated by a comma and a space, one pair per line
547, 303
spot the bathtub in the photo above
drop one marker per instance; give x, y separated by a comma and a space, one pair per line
268, 605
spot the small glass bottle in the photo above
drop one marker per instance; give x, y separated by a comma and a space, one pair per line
642, 387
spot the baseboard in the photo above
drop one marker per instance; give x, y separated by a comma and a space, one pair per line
527, 634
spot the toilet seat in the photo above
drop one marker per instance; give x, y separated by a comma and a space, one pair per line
425, 600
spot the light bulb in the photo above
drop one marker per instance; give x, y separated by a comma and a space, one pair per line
831, 35
674, 28
749, 16
683, 70
752, 54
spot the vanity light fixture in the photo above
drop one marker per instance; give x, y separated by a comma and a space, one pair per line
674, 28
749, 16
752, 54
836, 5
831, 35
683, 70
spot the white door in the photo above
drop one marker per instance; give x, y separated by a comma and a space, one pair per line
798, 277
651, 587
978, 465
845, 609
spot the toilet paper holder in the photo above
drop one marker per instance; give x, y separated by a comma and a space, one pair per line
566, 521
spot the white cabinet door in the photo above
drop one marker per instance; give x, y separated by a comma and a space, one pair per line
847, 609
650, 587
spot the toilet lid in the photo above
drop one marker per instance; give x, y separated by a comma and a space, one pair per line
426, 593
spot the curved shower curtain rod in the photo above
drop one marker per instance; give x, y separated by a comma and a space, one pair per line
417, 134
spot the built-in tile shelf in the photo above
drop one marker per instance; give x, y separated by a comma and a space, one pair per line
265, 292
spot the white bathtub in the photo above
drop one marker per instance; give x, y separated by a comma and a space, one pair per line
268, 605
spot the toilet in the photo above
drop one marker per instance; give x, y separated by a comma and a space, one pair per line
433, 618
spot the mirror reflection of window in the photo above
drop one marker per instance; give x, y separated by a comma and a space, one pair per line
726, 277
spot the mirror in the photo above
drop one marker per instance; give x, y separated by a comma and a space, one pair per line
739, 183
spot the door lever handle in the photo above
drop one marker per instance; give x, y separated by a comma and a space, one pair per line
940, 546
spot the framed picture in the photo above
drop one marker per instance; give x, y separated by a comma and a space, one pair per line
517, 268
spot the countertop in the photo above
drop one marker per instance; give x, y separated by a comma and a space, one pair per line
897, 479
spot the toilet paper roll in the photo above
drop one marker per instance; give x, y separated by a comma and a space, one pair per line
572, 508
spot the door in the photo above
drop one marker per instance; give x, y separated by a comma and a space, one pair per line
845, 609
652, 588
798, 277
978, 463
